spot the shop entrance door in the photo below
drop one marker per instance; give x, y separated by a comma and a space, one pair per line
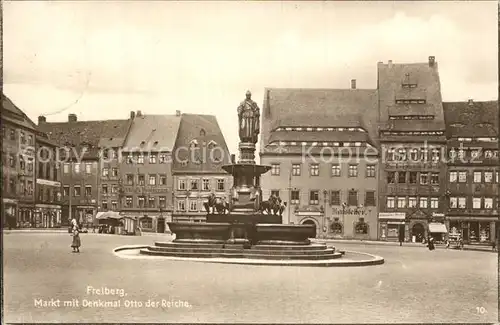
465, 232
418, 231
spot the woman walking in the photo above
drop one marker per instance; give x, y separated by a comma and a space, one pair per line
76, 237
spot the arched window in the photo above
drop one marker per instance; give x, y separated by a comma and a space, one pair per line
202, 133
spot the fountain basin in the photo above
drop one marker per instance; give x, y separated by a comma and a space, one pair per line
200, 232
279, 234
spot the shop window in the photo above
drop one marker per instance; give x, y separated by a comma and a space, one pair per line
391, 177
412, 202
484, 232
390, 202
295, 197
476, 203
401, 202
336, 227
401, 177
413, 177
147, 222
361, 227
477, 177
335, 170
275, 169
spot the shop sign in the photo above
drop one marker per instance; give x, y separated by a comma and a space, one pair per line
438, 215
146, 189
349, 211
46, 182
9, 201
48, 206
392, 215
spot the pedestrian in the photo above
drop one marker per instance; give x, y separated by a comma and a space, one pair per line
76, 237
430, 244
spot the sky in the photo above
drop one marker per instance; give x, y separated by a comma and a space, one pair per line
103, 59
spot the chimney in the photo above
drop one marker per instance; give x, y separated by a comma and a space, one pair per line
389, 63
177, 113
471, 102
72, 118
138, 114
353, 83
132, 115
432, 60
41, 119
233, 159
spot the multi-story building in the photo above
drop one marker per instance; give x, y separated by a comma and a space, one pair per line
412, 140
320, 144
79, 157
146, 170
472, 182
47, 186
200, 152
18, 159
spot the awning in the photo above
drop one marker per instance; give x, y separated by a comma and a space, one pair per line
108, 215
437, 228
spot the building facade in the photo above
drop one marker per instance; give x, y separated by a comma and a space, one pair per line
200, 153
48, 190
80, 168
18, 166
323, 157
146, 170
412, 142
473, 167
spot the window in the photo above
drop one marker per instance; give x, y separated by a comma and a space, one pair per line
313, 197
390, 154
413, 177
66, 190
314, 170
412, 202
296, 169
275, 193
22, 165
205, 184
453, 202
220, 185
488, 203
461, 154
352, 199
104, 205
462, 177
401, 154
141, 200
401, 202
452, 154
130, 179
140, 159
13, 134
162, 158
30, 164
423, 202
30, 139
114, 205
77, 167
477, 177
436, 155
146, 222
275, 169
488, 177
152, 179
88, 190
152, 158
462, 203
434, 178
390, 202
151, 202
353, 171
130, 159
370, 198
453, 176
413, 155
77, 190
114, 188
488, 154
22, 137
88, 168
401, 177
128, 201
66, 168
424, 178
496, 177
105, 189
335, 197
194, 185
114, 172
141, 179
181, 205
163, 179
476, 203
391, 177
105, 154
181, 185
370, 171
475, 153
424, 155
434, 203
105, 172
163, 201
12, 160
12, 185
335, 170
295, 197
361, 227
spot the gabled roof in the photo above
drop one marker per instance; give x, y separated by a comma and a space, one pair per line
320, 108
476, 119
153, 133
81, 134
198, 141
13, 114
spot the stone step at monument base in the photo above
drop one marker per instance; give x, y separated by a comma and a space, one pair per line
242, 254
253, 247
235, 250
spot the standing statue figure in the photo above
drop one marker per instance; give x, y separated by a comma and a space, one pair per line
249, 120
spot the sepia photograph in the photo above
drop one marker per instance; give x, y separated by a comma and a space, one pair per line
250, 162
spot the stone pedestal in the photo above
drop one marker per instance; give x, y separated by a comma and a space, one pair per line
247, 153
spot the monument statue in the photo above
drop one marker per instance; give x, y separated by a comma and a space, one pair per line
249, 120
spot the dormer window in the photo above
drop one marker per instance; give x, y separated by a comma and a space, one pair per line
143, 143
329, 129
293, 143
202, 133
309, 129
155, 143
340, 129
351, 129
298, 129
336, 144
193, 143
357, 144
325, 144
319, 129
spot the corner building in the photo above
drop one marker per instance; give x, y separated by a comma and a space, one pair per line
321, 145
412, 140
472, 180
